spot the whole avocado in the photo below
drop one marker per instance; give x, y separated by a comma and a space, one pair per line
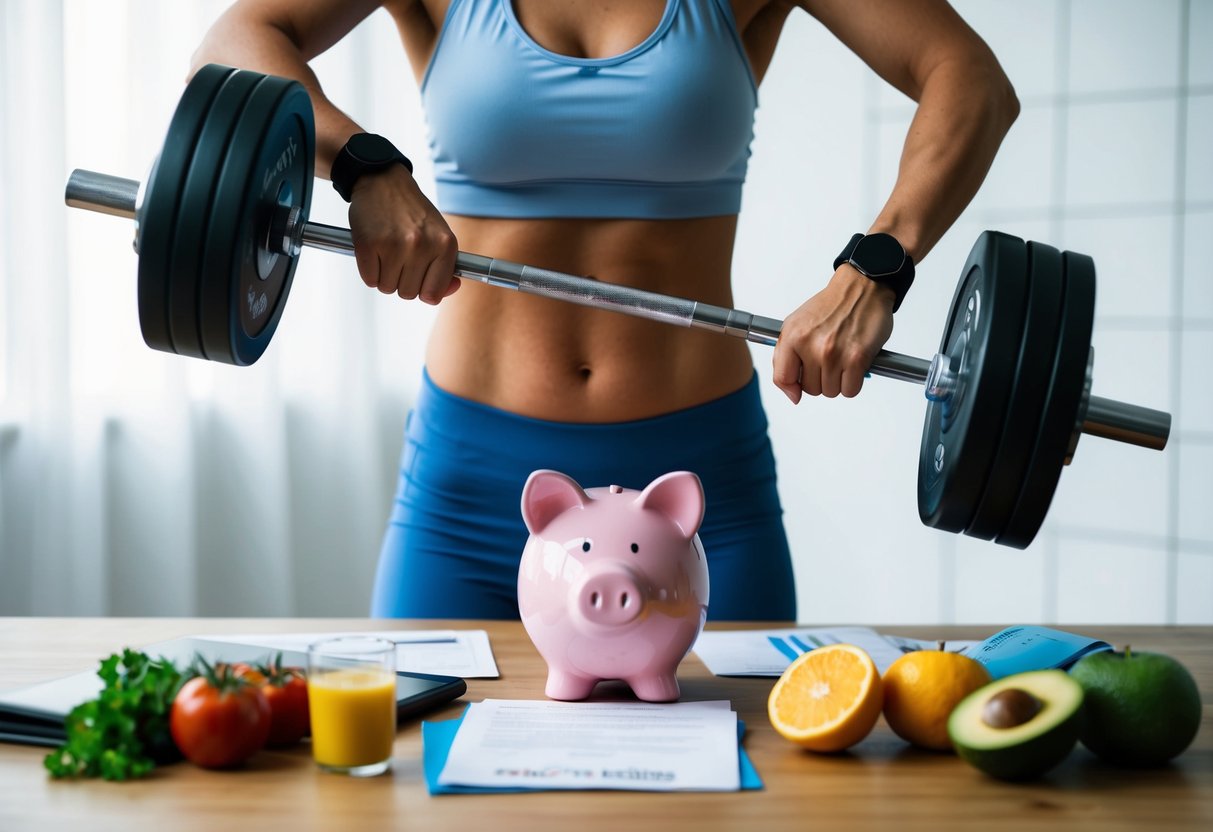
1141, 709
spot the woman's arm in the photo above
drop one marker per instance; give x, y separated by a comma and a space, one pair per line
401, 242
279, 37
965, 106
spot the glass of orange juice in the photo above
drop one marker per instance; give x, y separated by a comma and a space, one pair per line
351, 693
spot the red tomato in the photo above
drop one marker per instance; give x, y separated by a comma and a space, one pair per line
243, 670
219, 725
286, 691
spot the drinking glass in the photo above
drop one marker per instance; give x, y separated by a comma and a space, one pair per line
351, 690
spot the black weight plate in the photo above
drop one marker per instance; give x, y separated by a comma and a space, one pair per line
197, 197
268, 167
161, 199
1028, 387
983, 336
1060, 415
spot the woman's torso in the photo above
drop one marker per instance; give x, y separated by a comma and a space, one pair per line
552, 360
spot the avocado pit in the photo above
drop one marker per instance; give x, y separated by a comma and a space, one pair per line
1009, 708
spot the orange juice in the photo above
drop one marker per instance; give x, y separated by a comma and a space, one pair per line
353, 714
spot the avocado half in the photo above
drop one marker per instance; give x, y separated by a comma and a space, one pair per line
1037, 742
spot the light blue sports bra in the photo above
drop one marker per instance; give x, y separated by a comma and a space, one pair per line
660, 131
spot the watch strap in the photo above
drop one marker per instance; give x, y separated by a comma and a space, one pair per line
848, 250
348, 167
899, 281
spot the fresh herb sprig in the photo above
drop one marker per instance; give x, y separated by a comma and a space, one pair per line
124, 732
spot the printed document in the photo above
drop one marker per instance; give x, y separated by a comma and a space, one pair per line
688, 746
769, 652
462, 653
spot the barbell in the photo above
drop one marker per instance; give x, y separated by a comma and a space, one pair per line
221, 220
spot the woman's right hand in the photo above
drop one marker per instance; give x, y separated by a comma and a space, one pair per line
401, 241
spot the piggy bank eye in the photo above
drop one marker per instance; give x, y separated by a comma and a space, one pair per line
635, 548
585, 546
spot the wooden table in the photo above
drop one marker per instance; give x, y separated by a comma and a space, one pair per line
880, 784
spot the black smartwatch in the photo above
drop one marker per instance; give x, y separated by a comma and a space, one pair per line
879, 257
364, 153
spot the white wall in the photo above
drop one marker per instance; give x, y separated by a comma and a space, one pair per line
1109, 157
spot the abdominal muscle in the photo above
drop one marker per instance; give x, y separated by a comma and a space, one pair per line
553, 360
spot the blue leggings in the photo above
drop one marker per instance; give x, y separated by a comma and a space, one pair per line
456, 533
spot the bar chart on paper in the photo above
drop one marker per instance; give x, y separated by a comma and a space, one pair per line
769, 652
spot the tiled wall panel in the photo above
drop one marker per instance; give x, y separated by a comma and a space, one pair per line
1102, 582
1199, 173
1135, 263
1196, 492
1124, 45
1200, 36
1120, 153
1113, 487
997, 585
1195, 588
1197, 279
1196, 388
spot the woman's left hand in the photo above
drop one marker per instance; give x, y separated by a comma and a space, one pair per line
827, 345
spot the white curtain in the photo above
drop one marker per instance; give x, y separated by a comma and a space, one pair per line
134, 482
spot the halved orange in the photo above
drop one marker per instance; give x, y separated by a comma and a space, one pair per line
828, 699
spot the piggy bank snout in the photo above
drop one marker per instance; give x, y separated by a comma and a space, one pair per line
609, 597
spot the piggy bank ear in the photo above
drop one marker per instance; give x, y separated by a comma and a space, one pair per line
546, 495
679, 496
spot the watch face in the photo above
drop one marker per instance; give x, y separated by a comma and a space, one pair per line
371, 149
878, 254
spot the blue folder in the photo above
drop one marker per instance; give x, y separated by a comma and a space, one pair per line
1022, 648
438, 736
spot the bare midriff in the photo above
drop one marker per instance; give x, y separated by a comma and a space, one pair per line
553, 360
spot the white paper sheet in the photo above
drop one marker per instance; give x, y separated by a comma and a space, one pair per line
681, 746
463, 653
769, 652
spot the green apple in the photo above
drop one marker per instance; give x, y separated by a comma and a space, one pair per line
1141, 709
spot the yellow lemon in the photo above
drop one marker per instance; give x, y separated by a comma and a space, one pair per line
828, 699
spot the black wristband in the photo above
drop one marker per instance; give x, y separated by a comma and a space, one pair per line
364, 153
881, 259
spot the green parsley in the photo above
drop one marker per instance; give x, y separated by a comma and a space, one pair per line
124, 732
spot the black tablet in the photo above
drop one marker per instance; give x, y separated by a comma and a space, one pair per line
35, 715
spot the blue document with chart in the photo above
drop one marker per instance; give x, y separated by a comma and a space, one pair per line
1027, 647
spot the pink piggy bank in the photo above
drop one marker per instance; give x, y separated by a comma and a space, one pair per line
613, 582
